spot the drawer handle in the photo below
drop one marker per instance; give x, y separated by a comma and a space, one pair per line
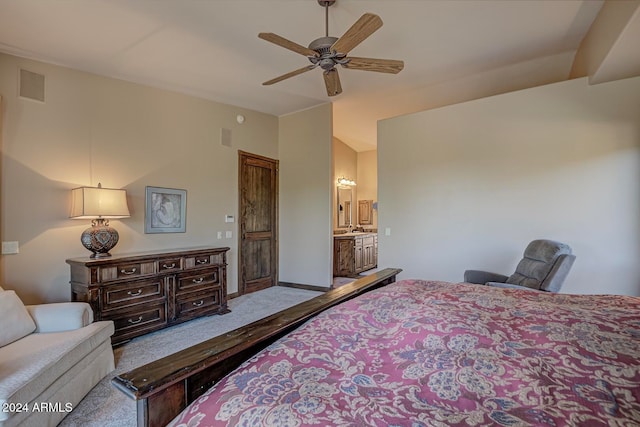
200, 280
133, 270
133, 322
198, 304
131, 294
169, 266
202, 261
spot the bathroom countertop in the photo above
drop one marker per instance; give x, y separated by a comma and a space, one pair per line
354, 233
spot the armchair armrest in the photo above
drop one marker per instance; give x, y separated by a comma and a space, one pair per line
510, 286
482, 277
61, 316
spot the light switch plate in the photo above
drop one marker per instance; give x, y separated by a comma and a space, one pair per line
229, 218
229, 234
9, 248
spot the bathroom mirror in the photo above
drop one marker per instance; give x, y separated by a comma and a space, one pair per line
344, 207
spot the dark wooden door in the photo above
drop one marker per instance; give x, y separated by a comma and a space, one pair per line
258, 253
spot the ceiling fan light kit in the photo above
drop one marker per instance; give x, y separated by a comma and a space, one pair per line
327, 52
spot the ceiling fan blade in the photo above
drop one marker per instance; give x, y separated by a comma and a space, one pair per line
290, 74
390, 66
287, 44
332, 82
363, 28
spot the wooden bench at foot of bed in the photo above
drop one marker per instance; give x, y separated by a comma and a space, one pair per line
165, 387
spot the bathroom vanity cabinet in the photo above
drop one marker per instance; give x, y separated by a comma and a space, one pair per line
354, 253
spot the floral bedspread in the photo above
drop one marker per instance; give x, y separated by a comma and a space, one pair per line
423, 353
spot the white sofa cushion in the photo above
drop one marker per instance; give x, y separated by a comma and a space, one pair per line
70, 388
60, 316
16, 322
30, 365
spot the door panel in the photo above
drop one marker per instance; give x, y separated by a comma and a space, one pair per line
258, 254
260, 249
258, 198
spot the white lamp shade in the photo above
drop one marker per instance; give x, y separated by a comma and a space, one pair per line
97, 202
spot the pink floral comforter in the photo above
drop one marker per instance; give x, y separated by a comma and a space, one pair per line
421, 353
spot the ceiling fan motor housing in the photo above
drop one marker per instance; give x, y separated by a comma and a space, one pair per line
323, 45
327, 58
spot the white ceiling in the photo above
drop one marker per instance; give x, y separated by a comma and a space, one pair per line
453, 50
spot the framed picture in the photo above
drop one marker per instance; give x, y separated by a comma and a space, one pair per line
165, 210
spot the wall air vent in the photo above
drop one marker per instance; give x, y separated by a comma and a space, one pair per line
31, 85
225, 137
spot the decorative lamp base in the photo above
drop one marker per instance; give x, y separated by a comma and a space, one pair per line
99, 238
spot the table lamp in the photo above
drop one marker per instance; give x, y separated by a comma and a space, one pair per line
99, 204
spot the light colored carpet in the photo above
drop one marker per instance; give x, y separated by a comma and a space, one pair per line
105, 406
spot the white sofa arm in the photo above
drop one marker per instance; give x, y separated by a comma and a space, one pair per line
60, 316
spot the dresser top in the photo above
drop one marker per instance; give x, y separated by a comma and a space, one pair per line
146, 255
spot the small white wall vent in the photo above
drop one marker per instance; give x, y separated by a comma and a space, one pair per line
31, 85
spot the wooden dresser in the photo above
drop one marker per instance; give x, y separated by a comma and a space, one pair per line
147, 291
354, 253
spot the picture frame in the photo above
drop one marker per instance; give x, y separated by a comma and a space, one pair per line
165, 210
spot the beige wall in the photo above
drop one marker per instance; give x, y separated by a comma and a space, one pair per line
469, 185
368, 180
305, 151
1, 181
345, 165
93, 129
362, 167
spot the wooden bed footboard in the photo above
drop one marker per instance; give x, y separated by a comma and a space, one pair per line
165, 387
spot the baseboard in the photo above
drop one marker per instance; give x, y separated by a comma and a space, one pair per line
305, 287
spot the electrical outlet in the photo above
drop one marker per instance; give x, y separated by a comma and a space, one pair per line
229, 234
219, 234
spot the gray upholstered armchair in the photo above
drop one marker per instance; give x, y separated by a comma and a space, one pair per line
544, 267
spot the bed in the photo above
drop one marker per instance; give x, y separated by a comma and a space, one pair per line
428, 353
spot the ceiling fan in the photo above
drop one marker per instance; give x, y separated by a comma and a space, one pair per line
327, 52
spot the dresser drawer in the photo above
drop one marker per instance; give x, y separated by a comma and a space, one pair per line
197, 261
143, 319
129, 270
197, 303
119, 295
123, 270
196, 280
169, 264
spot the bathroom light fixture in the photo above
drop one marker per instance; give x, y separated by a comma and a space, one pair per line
346, 182
99, 204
